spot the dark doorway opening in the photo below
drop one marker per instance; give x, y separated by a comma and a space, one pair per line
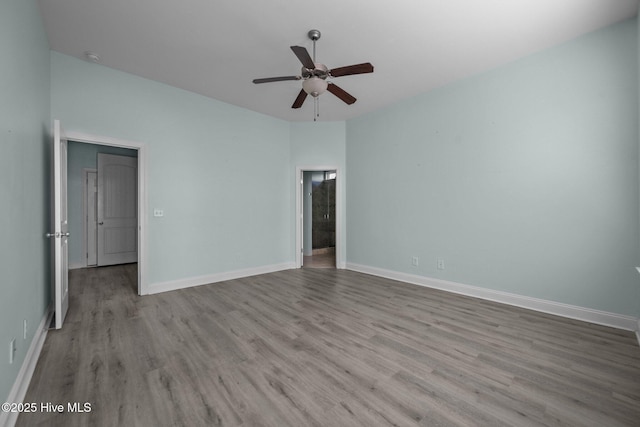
319, 246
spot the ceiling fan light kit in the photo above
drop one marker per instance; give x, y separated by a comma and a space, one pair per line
315, 86
317, 78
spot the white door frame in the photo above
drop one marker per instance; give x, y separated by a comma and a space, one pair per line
141, 147
299, 211
85, 216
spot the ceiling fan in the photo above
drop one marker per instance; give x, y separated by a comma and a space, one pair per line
316, 77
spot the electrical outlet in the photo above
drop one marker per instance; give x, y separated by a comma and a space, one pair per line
414, 261
158, 212
25, 329
12, 350
440, 264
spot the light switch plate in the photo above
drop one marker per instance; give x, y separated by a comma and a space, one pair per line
12, 350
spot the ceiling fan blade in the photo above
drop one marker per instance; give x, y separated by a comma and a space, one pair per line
341, 93
300, 99
303, 56
276, 79
352, 69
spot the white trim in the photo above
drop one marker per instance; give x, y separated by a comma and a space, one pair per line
85, 216
299, 209
189, 282
142, 194
77, 265
615, 320
21, 384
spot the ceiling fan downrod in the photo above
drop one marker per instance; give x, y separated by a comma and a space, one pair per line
314, 35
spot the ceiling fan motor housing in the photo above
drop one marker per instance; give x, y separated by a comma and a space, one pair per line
320, 71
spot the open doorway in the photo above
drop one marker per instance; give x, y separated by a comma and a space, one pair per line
319, 219
318, 209
88, 155
60, 233
102, 188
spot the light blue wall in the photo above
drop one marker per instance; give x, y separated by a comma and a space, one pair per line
523, 179
82, 156
207, 166
319, 144
24, 171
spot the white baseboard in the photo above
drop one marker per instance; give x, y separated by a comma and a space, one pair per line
76, 265
21, 384
615, 320
173, 285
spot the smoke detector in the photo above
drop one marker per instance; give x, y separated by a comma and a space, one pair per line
93, 57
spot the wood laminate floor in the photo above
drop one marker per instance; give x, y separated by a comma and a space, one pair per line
324, 348
319, 261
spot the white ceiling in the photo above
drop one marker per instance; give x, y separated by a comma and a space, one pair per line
217, 47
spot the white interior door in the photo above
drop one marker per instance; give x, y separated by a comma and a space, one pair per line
60, 234
117, 209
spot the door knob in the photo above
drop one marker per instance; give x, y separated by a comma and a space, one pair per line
57, 234
101, 222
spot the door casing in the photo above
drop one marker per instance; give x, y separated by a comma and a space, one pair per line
89, 191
